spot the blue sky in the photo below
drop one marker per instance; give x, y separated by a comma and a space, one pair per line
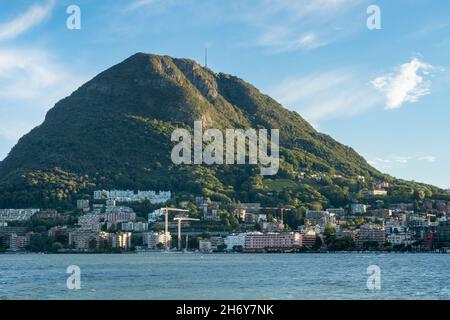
383, 92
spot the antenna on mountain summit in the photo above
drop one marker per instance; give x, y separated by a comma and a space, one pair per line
206, 57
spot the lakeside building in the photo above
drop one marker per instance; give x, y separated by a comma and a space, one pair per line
155, 238
443, 231
216, 242
352, 234
371, 233
17, 243
234, 241
10, 215
205, 245
309, 238
130, 196
87, 239
258, 241
400, 239
121, 240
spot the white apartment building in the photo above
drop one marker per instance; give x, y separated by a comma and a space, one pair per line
153, 238
235, 240
129, 196
121, 240
7, 215
400, 238
258, 241
359, 208
134, 226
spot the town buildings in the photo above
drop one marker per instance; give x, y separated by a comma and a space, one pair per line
130, 196
8, 215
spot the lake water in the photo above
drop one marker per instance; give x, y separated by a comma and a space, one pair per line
225, 276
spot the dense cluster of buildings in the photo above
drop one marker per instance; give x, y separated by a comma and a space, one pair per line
105, 225
130, 196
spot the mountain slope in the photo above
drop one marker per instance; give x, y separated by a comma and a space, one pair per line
114, 132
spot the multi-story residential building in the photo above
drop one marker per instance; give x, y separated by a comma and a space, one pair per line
58, 232
8, 215
443, 231
339, 212
17, 243
309, 238
134, 226
352, 234
155, 238
119, 214
390, 229
155, 215
380, 213
129, 196
205, 245
321, 218
265, 241
272, 226
121, 240
216, 242
48, 215
247, 208
400, 239
82, 204
371, 233
235, 241
91, 221
430, 240
414, 221
87, 239
359, 208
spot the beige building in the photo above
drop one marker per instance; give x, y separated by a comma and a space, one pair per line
261, 241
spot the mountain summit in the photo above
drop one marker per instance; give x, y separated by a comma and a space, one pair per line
114, 132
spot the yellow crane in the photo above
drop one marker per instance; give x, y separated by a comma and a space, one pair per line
166, 222
180, 220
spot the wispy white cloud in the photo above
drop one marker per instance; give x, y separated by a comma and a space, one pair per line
32, 75
35, 15
137, 4
31, 82
289, 25
407, 84
326, 95
397, 160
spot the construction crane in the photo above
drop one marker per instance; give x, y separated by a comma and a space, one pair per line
180, 220
166, 225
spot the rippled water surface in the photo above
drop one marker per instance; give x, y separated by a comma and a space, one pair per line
225, 276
